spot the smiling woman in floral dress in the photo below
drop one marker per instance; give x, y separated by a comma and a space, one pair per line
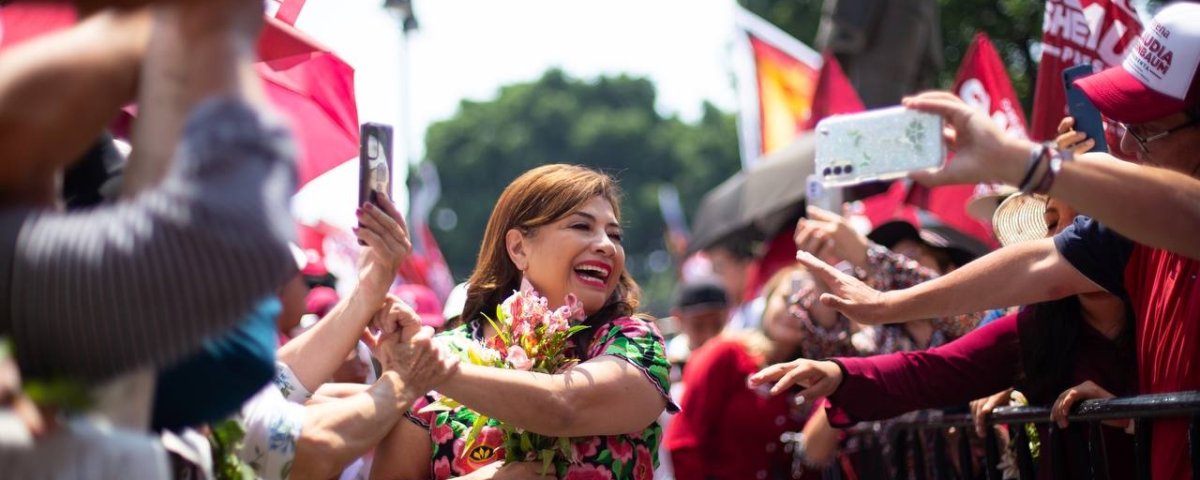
557, 226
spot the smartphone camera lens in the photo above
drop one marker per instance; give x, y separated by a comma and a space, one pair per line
825, 172
849, 169
837, 170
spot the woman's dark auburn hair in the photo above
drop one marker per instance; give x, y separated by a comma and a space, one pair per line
537, 198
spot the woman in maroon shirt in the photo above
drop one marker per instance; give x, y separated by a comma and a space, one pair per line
1043, 350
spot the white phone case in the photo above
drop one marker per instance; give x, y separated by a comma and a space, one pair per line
877, 145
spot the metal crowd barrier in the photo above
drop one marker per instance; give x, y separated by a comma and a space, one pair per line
1141, 409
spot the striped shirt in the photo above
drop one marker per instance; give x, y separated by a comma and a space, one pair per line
91, 294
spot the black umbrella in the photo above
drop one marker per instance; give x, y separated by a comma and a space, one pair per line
719, 218
759, 203
775, 187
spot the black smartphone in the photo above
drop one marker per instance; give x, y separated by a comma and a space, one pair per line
374, 162
1087, 117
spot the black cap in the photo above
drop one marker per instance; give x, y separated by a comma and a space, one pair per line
961, 248
706, 293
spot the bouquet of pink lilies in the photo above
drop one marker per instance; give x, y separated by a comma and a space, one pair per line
530, 337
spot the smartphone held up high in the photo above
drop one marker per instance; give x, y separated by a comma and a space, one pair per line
877, 145
1087, 117
374, 162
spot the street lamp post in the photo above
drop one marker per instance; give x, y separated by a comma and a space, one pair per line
403, 10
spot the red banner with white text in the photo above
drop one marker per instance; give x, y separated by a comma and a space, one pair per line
983, 83
1075, 32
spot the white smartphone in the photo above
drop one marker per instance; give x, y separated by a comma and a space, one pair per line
877, 145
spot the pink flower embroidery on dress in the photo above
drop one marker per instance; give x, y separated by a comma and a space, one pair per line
588, 472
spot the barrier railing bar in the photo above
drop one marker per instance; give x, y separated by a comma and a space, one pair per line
1098, 451
1194, 444
918, 446
1180, 404
1141, 448
965, 459
1142, 409
941, 464
1024, 456
991, 453
1056, 442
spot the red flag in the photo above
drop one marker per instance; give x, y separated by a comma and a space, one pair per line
983, 83
314, 90
776, 86
286, 11
306, 82
1075, 32
24, 21
834, 95
426, 265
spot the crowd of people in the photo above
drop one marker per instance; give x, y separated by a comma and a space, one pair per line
162, 324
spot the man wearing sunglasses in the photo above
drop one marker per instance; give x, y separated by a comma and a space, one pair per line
1142, 244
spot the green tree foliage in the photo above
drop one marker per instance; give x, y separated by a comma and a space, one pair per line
1013, 26
609, 123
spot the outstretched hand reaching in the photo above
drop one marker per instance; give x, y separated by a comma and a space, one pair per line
819, 378
406, 347
847, 294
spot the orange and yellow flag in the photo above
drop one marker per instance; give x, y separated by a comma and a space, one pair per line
776, 86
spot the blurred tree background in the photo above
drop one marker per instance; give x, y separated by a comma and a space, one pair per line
609, 123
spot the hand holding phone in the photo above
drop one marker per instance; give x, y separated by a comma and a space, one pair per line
374, 163
877, 145
1087, 117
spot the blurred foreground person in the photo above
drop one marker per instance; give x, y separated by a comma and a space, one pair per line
95, 293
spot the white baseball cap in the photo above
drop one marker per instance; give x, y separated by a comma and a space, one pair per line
1161, 73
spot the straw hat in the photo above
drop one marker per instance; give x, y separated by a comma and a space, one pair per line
1019, 218
986, 198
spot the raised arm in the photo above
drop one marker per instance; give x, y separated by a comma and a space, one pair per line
888, 270
1156, 207
983, 362
59, 91
1020, 274
94, 293
830, 237
317, 353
